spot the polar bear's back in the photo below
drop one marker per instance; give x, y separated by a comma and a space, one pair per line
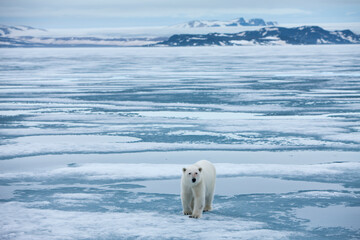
208, 173
207, 166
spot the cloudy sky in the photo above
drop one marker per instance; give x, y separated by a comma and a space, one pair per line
129, 13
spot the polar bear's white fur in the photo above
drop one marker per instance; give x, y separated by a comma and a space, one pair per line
197, 188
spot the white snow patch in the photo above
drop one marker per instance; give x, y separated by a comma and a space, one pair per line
83, 196
111, 171
243, 42
322, 41
21, 223
198, 115
64, 143
351, 136
231, 186
319, 194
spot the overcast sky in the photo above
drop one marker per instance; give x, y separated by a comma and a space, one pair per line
129, 13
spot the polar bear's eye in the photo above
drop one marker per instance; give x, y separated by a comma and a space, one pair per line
189, 173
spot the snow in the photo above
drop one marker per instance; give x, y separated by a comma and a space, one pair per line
22, 31
350, 38
242, 42
102, 42
24, 223
167, 31
103, 195
353, 26
119, 172
322, 41
232, 186
93, 141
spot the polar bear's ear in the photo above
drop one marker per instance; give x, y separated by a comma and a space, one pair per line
200, 169
184, 169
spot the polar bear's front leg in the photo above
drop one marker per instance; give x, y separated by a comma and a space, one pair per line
199, 202
186, 200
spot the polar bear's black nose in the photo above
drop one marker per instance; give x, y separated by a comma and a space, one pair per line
194, 180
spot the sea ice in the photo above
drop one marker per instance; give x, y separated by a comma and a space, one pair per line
92, 141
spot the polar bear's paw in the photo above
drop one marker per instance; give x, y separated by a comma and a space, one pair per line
187, 213
195, 216
207, 208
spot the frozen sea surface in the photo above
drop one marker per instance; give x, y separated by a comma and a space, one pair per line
92, 142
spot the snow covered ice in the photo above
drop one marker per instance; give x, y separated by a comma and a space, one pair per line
93, 140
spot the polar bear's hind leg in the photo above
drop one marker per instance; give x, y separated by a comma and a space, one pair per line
208, 201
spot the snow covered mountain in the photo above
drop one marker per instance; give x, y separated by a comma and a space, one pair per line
232, 23
76, 42
19, 31
267, 36
25, 36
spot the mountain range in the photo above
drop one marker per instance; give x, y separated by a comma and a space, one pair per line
232, 23
266, 36
25, 36
19, 30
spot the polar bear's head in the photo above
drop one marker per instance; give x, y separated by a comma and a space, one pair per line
192, 175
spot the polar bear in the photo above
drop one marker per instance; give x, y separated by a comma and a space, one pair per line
197, 188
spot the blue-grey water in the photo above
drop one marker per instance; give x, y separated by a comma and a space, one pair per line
92, 141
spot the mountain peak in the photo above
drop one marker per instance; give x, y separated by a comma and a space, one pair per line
20, 30
232, 23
